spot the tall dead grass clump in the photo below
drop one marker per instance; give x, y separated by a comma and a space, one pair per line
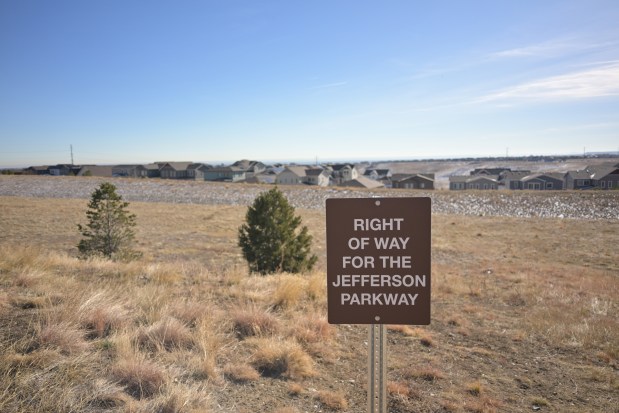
312, 328
332, 400
140, 378
317, 287
167, 334
101, 314
241, 373
175, 398
64, 336
274, 357
21, 257
253, 321
289, 292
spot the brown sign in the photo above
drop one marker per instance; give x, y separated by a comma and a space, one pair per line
378, 260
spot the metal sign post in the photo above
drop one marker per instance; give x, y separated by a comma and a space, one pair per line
377, 368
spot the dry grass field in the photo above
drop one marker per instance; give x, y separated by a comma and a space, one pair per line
524, 319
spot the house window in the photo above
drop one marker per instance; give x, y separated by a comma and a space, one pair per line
603, 184
548, 185
485, 186
610, 184
422, 185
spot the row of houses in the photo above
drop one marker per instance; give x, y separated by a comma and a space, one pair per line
603, 176
342, 174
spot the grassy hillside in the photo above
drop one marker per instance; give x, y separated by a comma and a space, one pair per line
524, 316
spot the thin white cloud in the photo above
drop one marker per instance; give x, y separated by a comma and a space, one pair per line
554, 48
599, 81
542, 49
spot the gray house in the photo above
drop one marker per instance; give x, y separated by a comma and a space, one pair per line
480, 182
251, 168
543, 182
416, 181
511, 179
130, 171
197, 171
605, 176
578, 180
174, 170
225, 174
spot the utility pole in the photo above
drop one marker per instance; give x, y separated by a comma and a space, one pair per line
71, 147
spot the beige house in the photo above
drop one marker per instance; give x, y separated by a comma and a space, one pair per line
291, 175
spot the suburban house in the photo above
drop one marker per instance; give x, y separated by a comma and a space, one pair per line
292, 175
130, 171
578, 180
604, 176
481, 182
95, 170
317, 176
343, 172
37, 170
511, 179
251, 168
197, 171
544, 181
416, 181
489, 171
377, 174
225, 174
363, 182
63, 170
174, 170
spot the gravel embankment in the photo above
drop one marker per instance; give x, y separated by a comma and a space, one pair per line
559, 204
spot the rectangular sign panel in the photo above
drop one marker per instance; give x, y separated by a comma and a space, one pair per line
378, 260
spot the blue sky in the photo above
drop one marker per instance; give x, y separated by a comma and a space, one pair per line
142, 81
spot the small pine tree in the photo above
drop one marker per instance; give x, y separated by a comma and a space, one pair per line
269, 237
109, 232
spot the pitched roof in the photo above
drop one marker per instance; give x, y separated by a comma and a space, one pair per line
363, 182
554, 175
178, 166
297, 170
579, 174
315, 171
600, 171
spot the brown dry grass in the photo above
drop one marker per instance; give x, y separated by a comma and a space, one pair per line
527, 310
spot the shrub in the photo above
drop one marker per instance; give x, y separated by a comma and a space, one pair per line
109, 232
270, 240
